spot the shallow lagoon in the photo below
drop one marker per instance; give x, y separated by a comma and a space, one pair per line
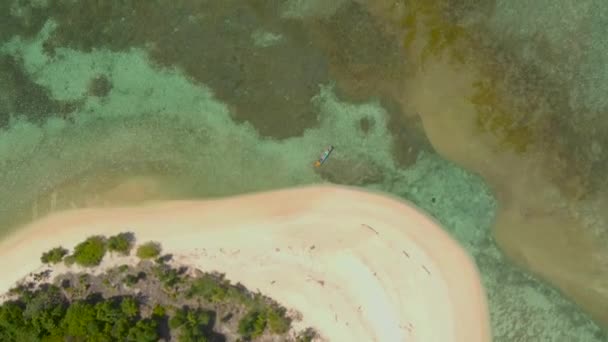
443, 104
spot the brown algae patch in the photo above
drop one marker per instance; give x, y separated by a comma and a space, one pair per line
506, 121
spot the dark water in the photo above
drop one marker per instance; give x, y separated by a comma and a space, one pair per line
105, 103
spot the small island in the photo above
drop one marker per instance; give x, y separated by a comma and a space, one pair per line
146, 298
319, 263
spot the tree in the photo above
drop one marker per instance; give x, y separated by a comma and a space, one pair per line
44, 310
121, 243
144, 331
178, 319
193, 324
90, 252
54, 256
129, 307
80, 320
149, 250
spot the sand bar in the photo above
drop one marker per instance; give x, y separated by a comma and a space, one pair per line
358, 266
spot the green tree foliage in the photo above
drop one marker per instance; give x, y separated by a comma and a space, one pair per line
54, 256
129, 307
252, 325
159, 311
90, 252
167, 275
80, 320
131, 279
45, 315
13, 326
277, 320
193, 324
209, 288
145, 330
262, 313
44, 310
121, 243
149, 250
255, 322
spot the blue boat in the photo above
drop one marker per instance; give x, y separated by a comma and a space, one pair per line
324, 156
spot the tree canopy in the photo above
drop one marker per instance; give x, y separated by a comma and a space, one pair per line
54, 256
90, 252
121, 243
47, 315
149, 250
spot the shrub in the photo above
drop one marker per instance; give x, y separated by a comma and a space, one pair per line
168, 276
131, 279
159, 311
121, 243
129, 307
252, 325
193, 324
278, 322
209, 288
143, 331
148, 250
306, 336
90, 252
69, 260
54, 256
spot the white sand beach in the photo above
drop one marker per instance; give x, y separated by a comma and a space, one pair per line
358, 266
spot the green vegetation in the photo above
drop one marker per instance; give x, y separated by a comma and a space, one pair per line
88, 307
252, 325
212, 289
48, 316
193, 324
159, 311
168, 276
306, 336
149, 250
132, 279
261, 314
69, 260
54, 256
277, 319
121, 243
255, 322
90, 252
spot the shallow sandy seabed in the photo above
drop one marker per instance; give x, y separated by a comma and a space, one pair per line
358, 266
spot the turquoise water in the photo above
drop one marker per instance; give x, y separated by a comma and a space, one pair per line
104, 104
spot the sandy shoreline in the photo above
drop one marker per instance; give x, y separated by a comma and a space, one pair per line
357, 266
